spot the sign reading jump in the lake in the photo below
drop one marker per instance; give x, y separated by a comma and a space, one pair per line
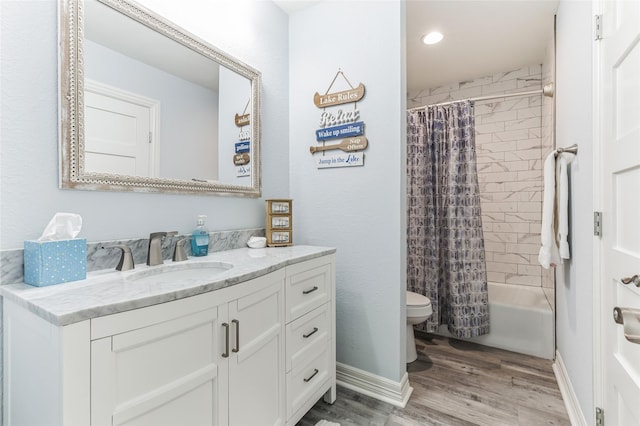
340, 123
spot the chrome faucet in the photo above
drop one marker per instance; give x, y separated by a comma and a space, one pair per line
154, 255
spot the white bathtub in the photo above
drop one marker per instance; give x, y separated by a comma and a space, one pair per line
521, 321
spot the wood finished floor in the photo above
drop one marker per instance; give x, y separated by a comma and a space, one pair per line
459, 383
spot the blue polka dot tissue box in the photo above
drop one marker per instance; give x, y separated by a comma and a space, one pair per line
55, 262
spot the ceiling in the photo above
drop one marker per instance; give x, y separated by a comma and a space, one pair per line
481, 37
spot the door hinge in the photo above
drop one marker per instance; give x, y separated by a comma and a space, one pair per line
597, 22
597, 224
599, 416
150, 137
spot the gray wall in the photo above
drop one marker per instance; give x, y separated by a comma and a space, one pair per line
359, 210
255, 32
574, 109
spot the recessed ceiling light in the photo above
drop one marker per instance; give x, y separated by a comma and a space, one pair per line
432, 38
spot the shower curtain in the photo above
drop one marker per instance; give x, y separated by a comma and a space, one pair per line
445, 254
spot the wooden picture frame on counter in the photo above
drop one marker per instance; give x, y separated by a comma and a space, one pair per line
278, 223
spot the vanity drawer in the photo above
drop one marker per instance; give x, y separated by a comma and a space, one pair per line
307, 290
306, 336
305, 381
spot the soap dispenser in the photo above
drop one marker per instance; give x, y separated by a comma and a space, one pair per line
200, 238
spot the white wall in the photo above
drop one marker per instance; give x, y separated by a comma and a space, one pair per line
574, 288
253, 31
359, 210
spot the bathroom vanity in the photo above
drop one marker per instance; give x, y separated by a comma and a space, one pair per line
253, 344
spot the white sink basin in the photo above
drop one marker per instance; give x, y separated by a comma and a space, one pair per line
179, 272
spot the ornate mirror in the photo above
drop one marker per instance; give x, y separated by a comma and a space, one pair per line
148, 107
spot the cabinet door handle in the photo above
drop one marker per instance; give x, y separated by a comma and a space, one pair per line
315, 287
315, 330
308, 379
225, 354
237, 323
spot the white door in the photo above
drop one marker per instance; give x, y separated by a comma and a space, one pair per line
119, 132
256, 363
620, 147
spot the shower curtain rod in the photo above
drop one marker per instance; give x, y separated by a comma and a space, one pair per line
547, 91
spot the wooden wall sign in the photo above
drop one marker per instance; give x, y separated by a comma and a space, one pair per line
244, 146
341, 123
347, 145
346, 130
241, 159
341, 160
242, 120
242, 171
339, 98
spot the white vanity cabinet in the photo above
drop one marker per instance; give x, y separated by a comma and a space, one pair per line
261, 352
199, 365
311, 362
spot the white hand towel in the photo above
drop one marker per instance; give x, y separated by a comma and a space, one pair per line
548, 255
564, 159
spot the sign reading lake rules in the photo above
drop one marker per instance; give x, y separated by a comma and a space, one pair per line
340, 124
351, 159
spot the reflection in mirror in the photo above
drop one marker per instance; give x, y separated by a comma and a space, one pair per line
158, 108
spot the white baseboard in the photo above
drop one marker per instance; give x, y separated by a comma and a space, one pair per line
576, 416
395, 393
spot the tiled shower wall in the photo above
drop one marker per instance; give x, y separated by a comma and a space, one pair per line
511, 149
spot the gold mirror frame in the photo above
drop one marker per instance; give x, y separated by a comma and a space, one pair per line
71, 106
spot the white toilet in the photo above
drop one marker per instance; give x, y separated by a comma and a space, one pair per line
418, 310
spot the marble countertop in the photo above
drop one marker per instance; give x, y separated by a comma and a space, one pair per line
109, 291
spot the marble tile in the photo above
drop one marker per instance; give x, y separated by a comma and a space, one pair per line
510, 268
475, 82
100, 256
534, 270
499, 87
511, 227
511, 258
501, 237
523, 154
530, 186
512, 135
529, 112
511, 75
494, 117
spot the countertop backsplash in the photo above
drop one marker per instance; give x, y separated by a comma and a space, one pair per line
12, 264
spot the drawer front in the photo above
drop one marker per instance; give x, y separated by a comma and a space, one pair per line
307, 290
307, 336
303, 382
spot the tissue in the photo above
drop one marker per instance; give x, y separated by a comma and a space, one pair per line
257, 242
63, 226
57, 256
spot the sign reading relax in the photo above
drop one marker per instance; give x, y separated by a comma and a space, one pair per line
341, 123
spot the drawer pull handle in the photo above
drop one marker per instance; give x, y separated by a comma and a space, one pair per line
308, 379
237, 323
225, 354
315, 330
315, 287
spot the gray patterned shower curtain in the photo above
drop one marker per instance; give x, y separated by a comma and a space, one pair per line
445, 254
